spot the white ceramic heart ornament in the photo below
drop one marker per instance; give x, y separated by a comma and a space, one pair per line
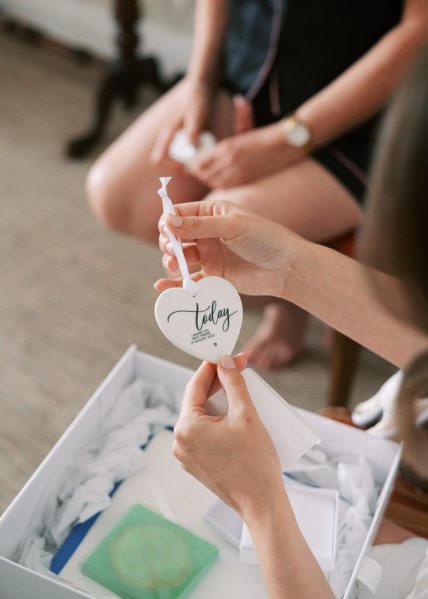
205, 324
203, 319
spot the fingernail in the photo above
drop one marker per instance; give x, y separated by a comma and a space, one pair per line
228, 362
165, 261
169, 248
174, 220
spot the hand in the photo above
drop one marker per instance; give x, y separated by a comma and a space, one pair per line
232, 455
192, 115
246, 157
253, 253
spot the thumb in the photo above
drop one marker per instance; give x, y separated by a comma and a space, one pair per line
196, 394
193, 128
203, 227
194, 122
234, 386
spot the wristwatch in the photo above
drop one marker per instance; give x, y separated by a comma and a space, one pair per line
297, 133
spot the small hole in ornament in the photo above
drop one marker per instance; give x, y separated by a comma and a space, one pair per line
215, 344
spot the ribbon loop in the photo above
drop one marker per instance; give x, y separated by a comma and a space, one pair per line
168, 207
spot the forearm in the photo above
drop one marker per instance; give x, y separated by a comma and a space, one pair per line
364, 88
358, 93
289, 569
210, 26
338, 291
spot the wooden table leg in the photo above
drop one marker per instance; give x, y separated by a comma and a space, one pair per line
122, 80
344, 359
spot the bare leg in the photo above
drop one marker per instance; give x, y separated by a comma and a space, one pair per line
305, 198
310, 201
121, 184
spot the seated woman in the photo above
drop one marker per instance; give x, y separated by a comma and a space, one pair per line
315, 74
383, 306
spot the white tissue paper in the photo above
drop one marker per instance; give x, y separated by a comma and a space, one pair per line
290, 433
183, 151
141, 410
355, 479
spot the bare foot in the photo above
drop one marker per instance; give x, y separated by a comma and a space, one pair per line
279, 337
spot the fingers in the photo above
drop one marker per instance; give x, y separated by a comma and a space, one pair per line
193, 126
161, 148
221, 167
214, 207
191, 255
196, 115
205, 382
221, 178
209, 168
166, 247
163, 284
234, 386
240, 363
203, 227
206, 160
198, 387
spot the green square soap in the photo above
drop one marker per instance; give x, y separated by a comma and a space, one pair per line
148, 557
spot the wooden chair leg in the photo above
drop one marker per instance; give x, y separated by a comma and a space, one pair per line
344, 361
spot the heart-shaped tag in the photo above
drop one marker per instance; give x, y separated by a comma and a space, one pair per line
205, 325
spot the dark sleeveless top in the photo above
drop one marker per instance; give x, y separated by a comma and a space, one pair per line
301, 46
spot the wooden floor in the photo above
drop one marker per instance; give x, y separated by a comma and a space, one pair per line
73, 296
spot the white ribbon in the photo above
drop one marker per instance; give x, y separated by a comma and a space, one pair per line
168, 208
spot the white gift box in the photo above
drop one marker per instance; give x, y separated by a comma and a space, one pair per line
228, 578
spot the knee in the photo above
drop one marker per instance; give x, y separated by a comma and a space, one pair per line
219, 195
104, 195
115, 206
241, 196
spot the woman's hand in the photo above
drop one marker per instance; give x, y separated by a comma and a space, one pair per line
235, 458
246, 157
192, 115
253, 253
232, 455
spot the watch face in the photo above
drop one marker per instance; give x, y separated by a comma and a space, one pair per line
299, 136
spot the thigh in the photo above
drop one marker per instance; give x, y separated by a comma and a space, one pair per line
131, 180
306, 198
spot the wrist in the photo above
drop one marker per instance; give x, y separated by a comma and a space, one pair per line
292, 263
264, 512
297, 133
273, 137
299, 270
201, 83
278, 139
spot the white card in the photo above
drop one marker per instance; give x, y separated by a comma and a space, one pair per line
289, 431
205, 325
316, 511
